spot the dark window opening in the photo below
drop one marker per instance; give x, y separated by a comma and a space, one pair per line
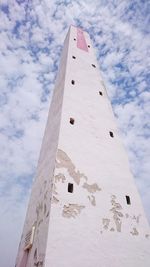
100, 93
73, 82
93, 66
70, 188
89, 46
128, 200
71, 121
74, 39
73, 57
111, 134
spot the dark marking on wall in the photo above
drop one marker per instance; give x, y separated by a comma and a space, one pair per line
92, 200
134, 231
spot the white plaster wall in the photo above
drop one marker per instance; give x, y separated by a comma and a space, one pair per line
93, 226
39, 205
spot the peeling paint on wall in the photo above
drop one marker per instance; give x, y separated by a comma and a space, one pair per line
63, 161
55, 200
106, 223
134, 231
117, 215
92, 200
72, 210
60, 178
91, 188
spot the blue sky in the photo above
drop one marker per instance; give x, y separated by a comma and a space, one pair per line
31, 39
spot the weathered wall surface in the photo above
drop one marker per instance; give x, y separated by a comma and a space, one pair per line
94, 225
38, 212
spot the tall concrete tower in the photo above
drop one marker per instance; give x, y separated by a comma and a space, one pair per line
84, 208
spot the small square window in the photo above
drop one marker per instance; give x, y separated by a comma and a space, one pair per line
70, 188
100, 93
74, 39
73, 82
71, 121
128, 200
111, 134
88, 46
73, 57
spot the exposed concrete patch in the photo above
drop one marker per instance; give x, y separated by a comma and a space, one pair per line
147, 235
60, 178
91, 188
112, 229
72, 210
55, 200
106, 223
134, 231
63, 161
92, 200
116, 213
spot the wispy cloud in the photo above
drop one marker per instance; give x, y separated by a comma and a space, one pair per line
31, 39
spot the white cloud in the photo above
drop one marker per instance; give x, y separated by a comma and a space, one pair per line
31, 36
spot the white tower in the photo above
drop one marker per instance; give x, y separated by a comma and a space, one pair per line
84, 208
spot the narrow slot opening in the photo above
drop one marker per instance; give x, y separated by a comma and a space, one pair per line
71, 121
111, 134
128, 200
70, 188
74, 39
100, 93
88, 46
93, 65
73, 57
73, 82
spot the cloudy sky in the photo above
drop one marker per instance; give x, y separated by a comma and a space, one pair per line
31, 38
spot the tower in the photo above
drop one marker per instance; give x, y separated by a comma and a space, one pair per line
84, 208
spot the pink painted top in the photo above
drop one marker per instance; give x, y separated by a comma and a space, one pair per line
81, 42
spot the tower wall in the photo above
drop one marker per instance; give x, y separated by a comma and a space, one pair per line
101, 221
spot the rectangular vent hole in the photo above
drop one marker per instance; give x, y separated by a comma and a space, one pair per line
111, 134
70, 188
128, 200
71, 121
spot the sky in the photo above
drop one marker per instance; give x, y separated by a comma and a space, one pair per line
31, 40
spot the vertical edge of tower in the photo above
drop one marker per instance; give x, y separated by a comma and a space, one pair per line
32, 247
